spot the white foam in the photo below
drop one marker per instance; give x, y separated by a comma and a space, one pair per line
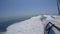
33, 25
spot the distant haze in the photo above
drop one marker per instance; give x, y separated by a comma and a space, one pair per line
15, 8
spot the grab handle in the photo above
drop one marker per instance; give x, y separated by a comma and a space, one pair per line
55, 26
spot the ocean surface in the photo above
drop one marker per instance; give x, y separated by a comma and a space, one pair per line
5, 24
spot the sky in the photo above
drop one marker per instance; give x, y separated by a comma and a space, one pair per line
15, 8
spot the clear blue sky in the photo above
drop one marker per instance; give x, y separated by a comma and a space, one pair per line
14, 8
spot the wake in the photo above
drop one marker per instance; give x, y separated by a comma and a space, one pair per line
34, 25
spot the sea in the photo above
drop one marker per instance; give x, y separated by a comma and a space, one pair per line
5, 24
